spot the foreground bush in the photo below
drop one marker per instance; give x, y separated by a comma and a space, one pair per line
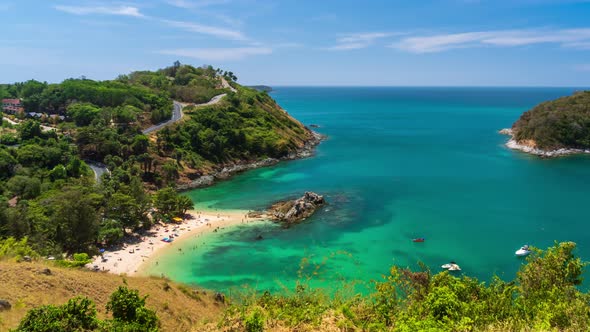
543, 297
79, 314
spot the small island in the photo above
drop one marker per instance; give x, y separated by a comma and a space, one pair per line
290, 212
294, 211
553, 128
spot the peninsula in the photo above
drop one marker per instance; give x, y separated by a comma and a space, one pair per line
554, 128
85, 164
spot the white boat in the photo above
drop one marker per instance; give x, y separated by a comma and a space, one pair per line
452, 266
523, 251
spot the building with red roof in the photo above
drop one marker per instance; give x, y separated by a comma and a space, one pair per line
12, 106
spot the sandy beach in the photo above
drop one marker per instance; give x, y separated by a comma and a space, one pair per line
133, 256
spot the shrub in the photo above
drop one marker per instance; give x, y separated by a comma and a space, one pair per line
78, 314
129, 308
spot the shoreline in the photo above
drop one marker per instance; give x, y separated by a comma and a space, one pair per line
134, 255
228, 171
514, 145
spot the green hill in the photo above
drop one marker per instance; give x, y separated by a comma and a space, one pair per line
560, 123
47, 185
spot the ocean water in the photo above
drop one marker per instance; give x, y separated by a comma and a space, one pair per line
399, 163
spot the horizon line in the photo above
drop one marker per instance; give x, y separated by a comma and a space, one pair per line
418, 86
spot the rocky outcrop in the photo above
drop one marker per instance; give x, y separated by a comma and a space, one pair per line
226, 171
294, 211
5, 305
529, 146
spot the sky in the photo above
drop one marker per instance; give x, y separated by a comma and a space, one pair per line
303, 42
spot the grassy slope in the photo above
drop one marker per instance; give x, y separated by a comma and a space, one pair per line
560, 123
25, 288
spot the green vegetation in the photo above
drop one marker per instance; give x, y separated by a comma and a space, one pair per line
560, 123
11, 248
180, 82
79, 314
47, 189
543, 297
246, 125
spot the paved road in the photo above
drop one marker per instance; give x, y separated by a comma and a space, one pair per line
98, 169
213, 100
226, 85
176, 115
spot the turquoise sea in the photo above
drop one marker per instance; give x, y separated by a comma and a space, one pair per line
399, 163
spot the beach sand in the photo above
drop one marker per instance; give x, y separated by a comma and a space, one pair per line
134, 256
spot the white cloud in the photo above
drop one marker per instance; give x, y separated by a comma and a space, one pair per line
573, 38
219, 54
358, 40
102, 10
208, 30
196, 4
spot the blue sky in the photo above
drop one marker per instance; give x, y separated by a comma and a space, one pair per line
300, 42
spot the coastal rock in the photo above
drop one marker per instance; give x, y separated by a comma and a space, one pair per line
219, 297
530, 147
293, 211
5, 305
255, 214
226, 171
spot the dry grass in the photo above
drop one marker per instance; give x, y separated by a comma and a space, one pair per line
179, 308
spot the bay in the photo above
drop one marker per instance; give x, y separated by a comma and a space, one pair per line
399, 163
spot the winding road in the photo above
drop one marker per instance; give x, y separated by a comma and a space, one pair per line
176, 115
98, 169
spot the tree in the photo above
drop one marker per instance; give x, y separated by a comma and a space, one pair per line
166, 203
24, 186
29, 129
75, 213
140, 144
184, 204
170, 171
110, 231
129, 308
124, 210
556, 267
7, 164
83, 113
58, 172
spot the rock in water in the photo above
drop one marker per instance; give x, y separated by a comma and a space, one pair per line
294, 211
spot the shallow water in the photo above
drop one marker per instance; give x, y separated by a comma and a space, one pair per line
399, 163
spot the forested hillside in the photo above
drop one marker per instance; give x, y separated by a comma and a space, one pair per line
47, 189
560, 123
